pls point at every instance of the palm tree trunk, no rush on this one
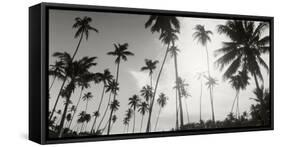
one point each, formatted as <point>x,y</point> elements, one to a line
<point>141,122</point>
<point>87,101</point>
<point>200,120</point>
<point>256,81</point>
<point>57,99</point>
<point>105,112</point>
<point>179,94</point>
<point>114,97</point>
<point>211,97</point>
<point>187,114</point>
<point>154,94</point>
<point>52,83</point>
<point>75,110</point>
<point>63,117</point>
<point>98,108</point>
<point>157,119</point>
<point>78,45</point>
<point>134,121</point>
<point>177,113</point>
<point>232,107</point>
<point>237,107</point>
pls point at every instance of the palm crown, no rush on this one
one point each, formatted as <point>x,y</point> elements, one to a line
<point>202,35</point>
<point>120,52</point>
<point>83,26</point>
<point>149,65</point>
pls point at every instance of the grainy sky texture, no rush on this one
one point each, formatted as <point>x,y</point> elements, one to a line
<point>129,28</point>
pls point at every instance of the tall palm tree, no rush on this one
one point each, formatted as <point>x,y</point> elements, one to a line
<point>105,77</point>
<point>111,87</point>
<point>203,37</point>
<point>174,52</point>
<point>150,66</point>
<point>162,101</point>
<point>128,116</point>
<point>143,108</point>
<point>83,27</point>
<point>167,26</point>
<point>56,71</point>
<point>134,103</point>
<point>238,82</point>
<point>244,51</point>
<point>74,71</point>
<point>114,106</point>
<point>87,97</point>
<point>147,93</point>
<point>183,87</point>
<point>121,52</point>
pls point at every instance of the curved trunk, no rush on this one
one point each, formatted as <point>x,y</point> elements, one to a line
<point>75,110</point>
<point>78,45</point>
<point>177,113</point>
<point>141,122</point>
<point>114,97</point>
<point>105,112</point>
<point>157,119</point>
<point>200,120</point>
<point>92,129</point>
<point>52,83</point>
<point>178,90</point>
<point>154,94</point>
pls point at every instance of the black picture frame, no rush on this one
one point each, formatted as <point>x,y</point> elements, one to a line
<point>38,67</point>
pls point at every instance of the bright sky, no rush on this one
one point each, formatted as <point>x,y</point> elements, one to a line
<point>129,28</point>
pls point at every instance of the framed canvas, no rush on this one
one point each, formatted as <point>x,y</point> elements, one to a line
<point>103,73</point>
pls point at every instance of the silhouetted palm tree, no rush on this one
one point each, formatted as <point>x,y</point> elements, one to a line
<point>183,87</point>
<point>150,66</point>
<point>147,93</point>
<point>143,108</point>
<point>121,52</point>
<point>174,52</point>
<point>114,119</point>
<point>87,97</point>
<point>56,71</point>
<point>167,26</point>
<point>245,48</point>
<point>203,36</point>
<point>128,116</point>
<point>211,82</point>
<point>125,123</point>
<point>114,106</point>
<point>162,101</point>
<point>83,27</point>
<point>74,71</point>
<point>238,82</point>
<point>105,77</point>
<point>134,103</point>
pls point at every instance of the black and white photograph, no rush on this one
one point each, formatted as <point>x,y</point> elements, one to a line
<point>124,73</point>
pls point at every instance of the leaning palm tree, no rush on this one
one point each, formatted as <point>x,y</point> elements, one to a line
<point>203,37</point>
<point>162,101</point>
<point>238,82</point>
<point>134,103</point>
<point>105,77</point>
<point>150,66</point>
<point>87,97</point>
<point>121,52</point>
<point>245,49</point>
<point>83,27</point>
<point>74,72</point>
<point>56,71</point>
<point>167,26</point>
<point>174,52</point>
<point>111,87</point>
<point>143,108</point>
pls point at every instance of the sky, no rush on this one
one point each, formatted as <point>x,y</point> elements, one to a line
<point>129,28</point>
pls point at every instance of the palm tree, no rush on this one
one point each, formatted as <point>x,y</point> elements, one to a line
<point>162,101</point>
<point>200,76</point>
<point>211,82</point>
<point>83,27</point>
<point>121,52</point>
<point>56,71</point>
<point>167,26</point>
<point>114,106</point>
<point>150,66</point>
<point>147,93</point>
<point>143,108</point>
<point>125,123</point>
<point>128,116</point>
<point>111,87</point>
<point>87,97</point>
<point>74,71</point>
<point>238,82</point>
<point>174,52</point>
<point>81,119</point>
<point>105,77</point>
<point>245,48</point>
<point>134,103</point>
<point>114,119</point>
<point>183,88</point>
<point>203,37</point>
